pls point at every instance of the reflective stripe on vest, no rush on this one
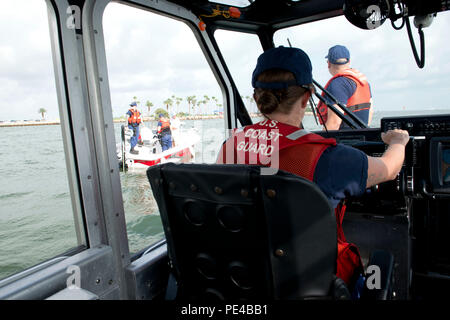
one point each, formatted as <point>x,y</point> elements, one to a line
<point>274,144</point>
<point>360,100</point>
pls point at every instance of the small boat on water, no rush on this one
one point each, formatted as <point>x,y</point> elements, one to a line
<point>150,151</point>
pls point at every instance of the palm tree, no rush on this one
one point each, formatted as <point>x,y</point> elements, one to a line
<point>219,106</point>
<point>136,100</point>
<point>149,105</point>
<point>205,102</point>
<point>200,110</point>
<point>190,100</point>
<point>216,101</point>
<point>168,102</point>
<point>194,103</point>
<point>178,101</point>
<point>42,111</point>
<point>173,98</point>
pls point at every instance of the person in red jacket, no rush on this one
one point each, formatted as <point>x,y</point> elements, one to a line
<point>349,86</point>
<point>283,83</point>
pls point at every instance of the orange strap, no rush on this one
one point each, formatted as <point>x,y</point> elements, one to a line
<point>349,264</point>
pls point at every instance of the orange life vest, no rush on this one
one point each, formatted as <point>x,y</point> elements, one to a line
<point>261,142</point>
<point>360,100</point>
<point>135,117</point>
<point>298,152</point>
<point>165,126</point>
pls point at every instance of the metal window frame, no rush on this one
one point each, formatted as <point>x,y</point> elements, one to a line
<point>72,94</point>
<point>89,143</point>
<point>102,120</point>
<point>50,277</point>
<point>100,98</point>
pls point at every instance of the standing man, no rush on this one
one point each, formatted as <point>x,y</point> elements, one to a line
<point>349,86</point>
<point>134,120</point>
<point>164,130</point>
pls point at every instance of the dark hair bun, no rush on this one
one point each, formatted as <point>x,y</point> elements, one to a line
<point>280,100</point>
<point>267,102</point>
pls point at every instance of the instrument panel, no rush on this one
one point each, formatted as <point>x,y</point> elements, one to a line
<point>427,126</point>
<point>429,156</point>
<point>426,169</point>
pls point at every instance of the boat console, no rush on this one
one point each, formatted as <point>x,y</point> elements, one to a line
<point>411,211</point>
<point>426,169</point>
<point>427,158</point>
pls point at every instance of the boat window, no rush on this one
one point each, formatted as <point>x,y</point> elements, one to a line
<point>384,55</point>
<point>157,63</point>
<point>232,44</point>
<point>36,210</point>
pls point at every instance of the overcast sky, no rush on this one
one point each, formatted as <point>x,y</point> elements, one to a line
<point>153,58</point>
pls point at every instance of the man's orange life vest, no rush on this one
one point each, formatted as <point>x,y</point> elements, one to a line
<point>165,126</point>
<point>135,117</point>
<point>360,100</point>
<point>272,143</point>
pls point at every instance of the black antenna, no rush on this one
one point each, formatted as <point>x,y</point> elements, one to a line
<point>290,45</point>
<point>313,108</point>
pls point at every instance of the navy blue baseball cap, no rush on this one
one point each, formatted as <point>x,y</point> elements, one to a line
<point>290,59</point>
<point>161,115</point>
<point>134,104</point>
<point>338,52</point>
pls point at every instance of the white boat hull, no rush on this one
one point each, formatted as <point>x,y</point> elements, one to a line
<point>150,152</point>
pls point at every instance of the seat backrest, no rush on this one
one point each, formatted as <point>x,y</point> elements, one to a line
<point>234,234</point>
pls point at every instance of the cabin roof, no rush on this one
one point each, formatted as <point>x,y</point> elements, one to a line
<point>271,15</point>
<point>265,14</point>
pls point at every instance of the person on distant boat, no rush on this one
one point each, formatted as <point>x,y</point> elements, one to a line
<point>349,86</point>
<point>283,84</point>
<point>164,131</point>
<point>175,125</point>
<point>134,120</point>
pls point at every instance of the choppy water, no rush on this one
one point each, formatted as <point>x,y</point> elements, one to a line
<point>36,220</point>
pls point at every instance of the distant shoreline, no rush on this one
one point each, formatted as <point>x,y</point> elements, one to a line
<point>56,122</point>
<point>28,123</point>
<point>145,119</point>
